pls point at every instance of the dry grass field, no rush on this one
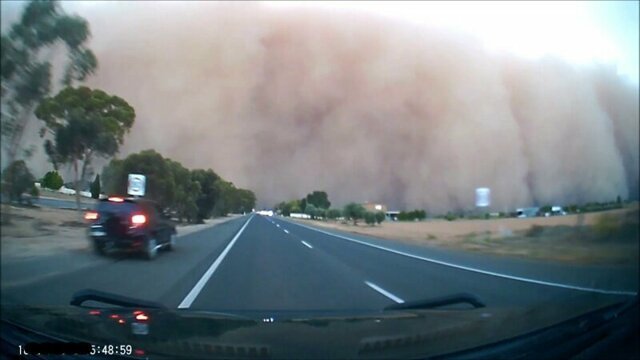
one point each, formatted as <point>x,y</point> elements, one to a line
<point>608,237</point>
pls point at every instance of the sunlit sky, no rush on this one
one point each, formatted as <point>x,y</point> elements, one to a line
<point>579,32</point>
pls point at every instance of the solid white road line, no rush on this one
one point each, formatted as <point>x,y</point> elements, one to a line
<point>188,300</point>
<point>384,292</point>
<point>287,231</point>
<point>505,276</point>
<point>306,244</point>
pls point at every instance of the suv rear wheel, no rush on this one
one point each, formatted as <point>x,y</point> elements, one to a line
<point>151,249</point>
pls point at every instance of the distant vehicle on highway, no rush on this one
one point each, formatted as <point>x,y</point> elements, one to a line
<point>527,212</point>
<point>265,212</point>
<point>557,210</point>
<point>300,216</point>
<point>132,224</point>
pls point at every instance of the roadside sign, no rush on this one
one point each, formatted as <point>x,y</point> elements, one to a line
<point>483,197</point>
<point>136,184</point>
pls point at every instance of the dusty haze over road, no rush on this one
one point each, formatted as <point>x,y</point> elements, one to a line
<point>286,101</point>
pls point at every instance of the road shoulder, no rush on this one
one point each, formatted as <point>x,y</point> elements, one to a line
<point>616,278</point>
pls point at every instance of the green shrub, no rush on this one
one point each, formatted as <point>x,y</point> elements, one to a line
<point>412,215</point>
<point>369,218</point>
<point>16,180</point>
<point>52,180</point>
<point>380,217</point>
<point>333,213</point>
<point>354,212</point>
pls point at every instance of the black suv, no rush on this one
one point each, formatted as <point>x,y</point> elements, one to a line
<point>135,224</point>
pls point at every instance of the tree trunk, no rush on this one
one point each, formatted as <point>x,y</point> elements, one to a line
<point>87,161</point>
<point>12,152</point>
<point>76,182</point>
<point>6,189</point>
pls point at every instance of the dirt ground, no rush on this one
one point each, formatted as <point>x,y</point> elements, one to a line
<point>46,193</point>
<point>45,231</point>
<point>570,238</point>
<point>32,230</point>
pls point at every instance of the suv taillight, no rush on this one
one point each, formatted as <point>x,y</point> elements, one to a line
<point>138,219</point>
<point>140,315</point>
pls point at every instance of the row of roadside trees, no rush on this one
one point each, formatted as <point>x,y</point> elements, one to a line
<point>318,206</point>
<point>314,204</point>
<point>354,212</point>
<point>190,195</point>
<point>415,215</point>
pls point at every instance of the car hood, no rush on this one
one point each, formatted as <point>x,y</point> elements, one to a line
<point>300,334</point>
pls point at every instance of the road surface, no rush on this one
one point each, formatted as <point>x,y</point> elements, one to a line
<point>273,263</point>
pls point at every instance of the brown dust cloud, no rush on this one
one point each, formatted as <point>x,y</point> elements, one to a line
<point>287,101</point>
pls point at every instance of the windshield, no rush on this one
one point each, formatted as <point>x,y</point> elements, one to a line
<point>321,162</point>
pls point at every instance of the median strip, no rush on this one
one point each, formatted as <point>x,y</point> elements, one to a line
<point>384,292</point>
<point>505,276</point>
<point>188,300</point>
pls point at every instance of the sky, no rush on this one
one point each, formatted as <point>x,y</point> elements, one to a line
<point>414,106</point>
<point>579,32</point>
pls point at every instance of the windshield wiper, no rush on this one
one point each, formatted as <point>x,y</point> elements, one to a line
<point>438,302</point>
<point>83,296</point>
<point>113,299</point>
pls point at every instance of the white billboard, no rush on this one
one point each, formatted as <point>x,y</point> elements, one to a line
<point>136,185</point>
<point>483,197</point>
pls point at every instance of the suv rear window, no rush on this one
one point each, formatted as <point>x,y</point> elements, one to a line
<point>117,207</point>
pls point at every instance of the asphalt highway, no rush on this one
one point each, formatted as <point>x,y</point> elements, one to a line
<point>273,263</point>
